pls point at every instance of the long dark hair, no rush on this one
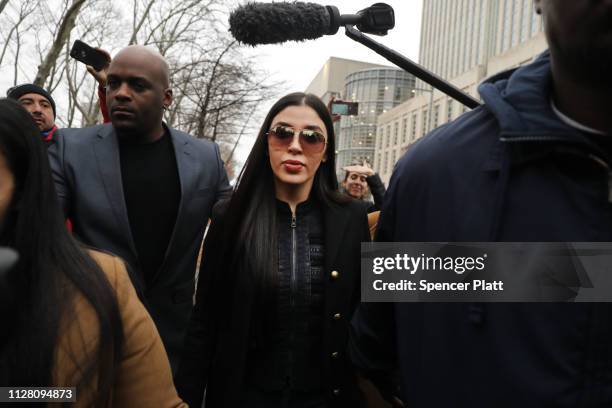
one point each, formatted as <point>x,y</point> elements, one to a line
<point>52,268</point>
<point>247,234</point>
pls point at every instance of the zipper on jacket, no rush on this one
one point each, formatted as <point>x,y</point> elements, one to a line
<point>292,290</point>
<point>293,259</point>
<point>293,256</point>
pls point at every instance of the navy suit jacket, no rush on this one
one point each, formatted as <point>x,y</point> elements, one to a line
<point>87,176</point>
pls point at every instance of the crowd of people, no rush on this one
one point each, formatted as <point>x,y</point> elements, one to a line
<point>108,222</point>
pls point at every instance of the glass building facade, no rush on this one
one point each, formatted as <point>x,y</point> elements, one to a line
<point>377,91</point>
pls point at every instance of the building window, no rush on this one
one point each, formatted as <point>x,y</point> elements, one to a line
<point>397,95</point>
<point>414,127</point>
<point>379,108</point>
<point>388,136</point>
<point>404,129</point>
<point>386,162</point>
<point>395,133</point>
<point>436,114</point>
<point>424,124</point>
<point>449,110</point>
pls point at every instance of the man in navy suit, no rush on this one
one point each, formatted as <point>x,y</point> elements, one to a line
<point>142,190</point>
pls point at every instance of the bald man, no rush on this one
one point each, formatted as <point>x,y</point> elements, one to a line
<point>142,190</point>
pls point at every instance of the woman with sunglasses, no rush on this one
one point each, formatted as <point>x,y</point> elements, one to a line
<point>280,276</point>
<point>70,316</point>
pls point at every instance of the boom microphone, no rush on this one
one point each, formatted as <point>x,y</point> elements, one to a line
<point>273,23</point>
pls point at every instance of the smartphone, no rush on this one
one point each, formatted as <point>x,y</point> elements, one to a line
<point>88,55</point>
<point>344,108</point>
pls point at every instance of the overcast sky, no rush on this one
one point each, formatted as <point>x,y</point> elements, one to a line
<point>297,63</point>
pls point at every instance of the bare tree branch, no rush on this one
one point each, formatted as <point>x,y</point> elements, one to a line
<point>207,96</point>
<point>138,26</point>
<point>16,63</point>
<point>26,9</point>
<point>242,131</point>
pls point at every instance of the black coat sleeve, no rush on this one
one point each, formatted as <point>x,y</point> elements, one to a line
<point>372,344</point>
<point>377,188</point>
<point>194,367</point>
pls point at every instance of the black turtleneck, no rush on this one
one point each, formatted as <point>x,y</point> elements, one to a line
<point>152,192</point>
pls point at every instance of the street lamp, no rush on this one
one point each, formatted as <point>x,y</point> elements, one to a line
<point>430,109</point>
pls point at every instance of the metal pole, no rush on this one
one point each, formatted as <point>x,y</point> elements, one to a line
<point>413,68</point>
<point>431,97</point>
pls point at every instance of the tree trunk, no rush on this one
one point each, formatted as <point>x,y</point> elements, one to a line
<point>3,4</point>
<point>66,26</point>
<point>138,26</point>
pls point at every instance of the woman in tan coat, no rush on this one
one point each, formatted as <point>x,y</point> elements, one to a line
<point>73,319</point>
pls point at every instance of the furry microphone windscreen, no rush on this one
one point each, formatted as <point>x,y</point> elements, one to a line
<point>272,23</point>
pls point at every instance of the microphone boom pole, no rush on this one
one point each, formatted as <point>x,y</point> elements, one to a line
<point>412,67</point>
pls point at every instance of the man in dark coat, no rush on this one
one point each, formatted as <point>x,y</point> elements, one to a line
<point>142,190</point>
<point>532,164</point>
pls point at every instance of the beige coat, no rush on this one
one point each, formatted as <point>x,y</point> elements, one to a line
<point>143,378</point>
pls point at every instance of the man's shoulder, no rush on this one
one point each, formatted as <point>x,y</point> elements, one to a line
<point>459,145</point>
<point>199,144</point>
<point>76,135</point>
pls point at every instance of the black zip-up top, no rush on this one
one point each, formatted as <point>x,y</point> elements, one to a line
<point>290,359</point>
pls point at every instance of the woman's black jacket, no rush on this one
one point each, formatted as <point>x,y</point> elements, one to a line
<point>216,346</point>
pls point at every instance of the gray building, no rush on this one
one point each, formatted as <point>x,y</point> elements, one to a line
<point>329,82</point>
<point>458,35</point>
<point>377,90</point>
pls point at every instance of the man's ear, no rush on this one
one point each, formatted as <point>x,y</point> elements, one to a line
<point>167,98</point>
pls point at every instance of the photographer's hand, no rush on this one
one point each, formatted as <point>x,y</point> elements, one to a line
<point>100,76</point>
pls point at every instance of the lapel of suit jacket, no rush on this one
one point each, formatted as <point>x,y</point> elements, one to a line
<point>106,150</point>
<point>336,221</point>
<point>187,171</point>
